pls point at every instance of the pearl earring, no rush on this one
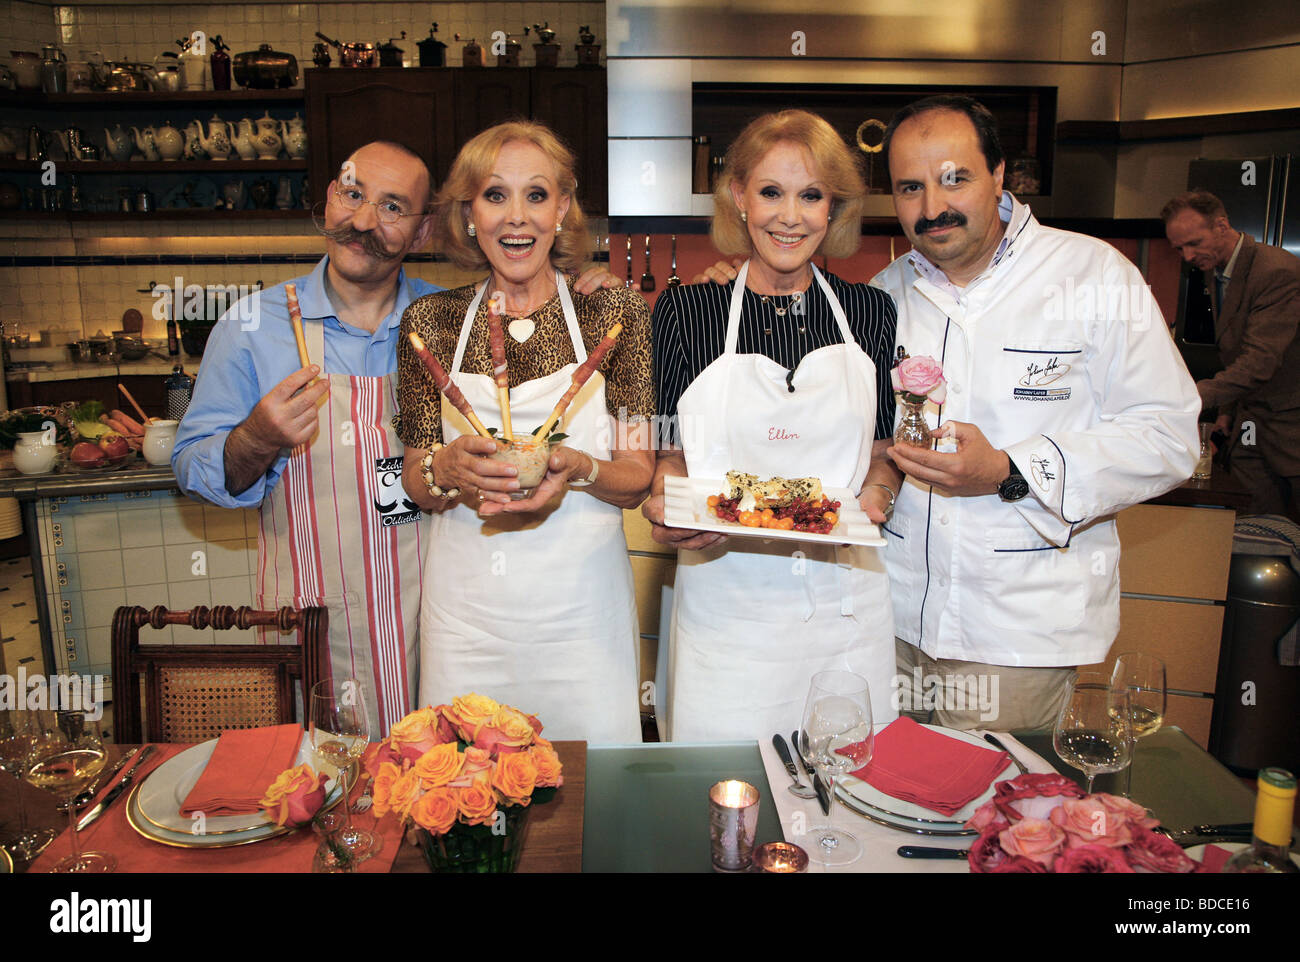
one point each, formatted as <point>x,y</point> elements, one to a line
<point>744,218</point>
<point>469,229</point>
<point>557,228</point>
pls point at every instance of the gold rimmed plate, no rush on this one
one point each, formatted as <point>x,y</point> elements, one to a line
<point>159,797</point>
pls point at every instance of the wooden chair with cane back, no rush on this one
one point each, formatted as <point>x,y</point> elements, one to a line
<point>192,693</point>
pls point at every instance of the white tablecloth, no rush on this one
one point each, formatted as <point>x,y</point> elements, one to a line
<point>879,844</point>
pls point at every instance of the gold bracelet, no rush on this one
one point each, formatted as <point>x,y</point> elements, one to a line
<point>426,472</point>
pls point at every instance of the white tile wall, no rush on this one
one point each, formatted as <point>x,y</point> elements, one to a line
<point>142,31</point>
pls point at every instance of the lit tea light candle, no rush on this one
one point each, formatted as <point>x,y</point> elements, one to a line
<point>733,821</point>
<point>780,858</point>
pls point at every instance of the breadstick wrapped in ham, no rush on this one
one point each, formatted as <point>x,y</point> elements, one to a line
<point>580,377</point>
<point>442,381</point>
<point>497,336</point>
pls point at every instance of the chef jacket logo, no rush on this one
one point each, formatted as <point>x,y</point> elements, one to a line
<point>391,502</point>
<point>1034,384</point>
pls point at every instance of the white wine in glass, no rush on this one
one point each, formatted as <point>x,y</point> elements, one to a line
<point>340,732</point>
<point>67,756</point>
<point>1142,676</point>
<point>1088,735</point>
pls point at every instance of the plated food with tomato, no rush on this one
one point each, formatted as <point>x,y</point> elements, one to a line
<point>781,504</point>
<point>793,509</point>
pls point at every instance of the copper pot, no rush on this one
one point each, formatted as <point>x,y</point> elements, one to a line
<point>265,69</point>
<point>352,54</point>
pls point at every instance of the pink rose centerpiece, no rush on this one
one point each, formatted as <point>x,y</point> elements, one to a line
<point>916,380</point>
<point>464,775</point>
<point>1046,823</point>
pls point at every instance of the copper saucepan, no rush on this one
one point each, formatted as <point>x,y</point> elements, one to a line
<point>352,54</point>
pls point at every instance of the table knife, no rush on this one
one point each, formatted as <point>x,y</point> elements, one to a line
<point>925,851</point>
<point>115,791</point>
<point>823,793</point>
<point>997,744</point>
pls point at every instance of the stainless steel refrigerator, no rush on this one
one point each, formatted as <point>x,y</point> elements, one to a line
<point>1262,202</point>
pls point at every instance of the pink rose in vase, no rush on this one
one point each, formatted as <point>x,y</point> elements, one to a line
<point>918,378</point>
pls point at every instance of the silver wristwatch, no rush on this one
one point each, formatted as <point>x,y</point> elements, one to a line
<point>589,479</point>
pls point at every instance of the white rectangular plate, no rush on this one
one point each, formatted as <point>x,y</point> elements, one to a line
<point>686,505</point>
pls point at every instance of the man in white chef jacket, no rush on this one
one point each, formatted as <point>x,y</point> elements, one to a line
<point>1067,401</point>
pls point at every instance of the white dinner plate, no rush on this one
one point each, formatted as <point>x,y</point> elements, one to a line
<point>686,505</point>
<point>162,793</point>
<point>1198,851</point>
<point>897,810</point>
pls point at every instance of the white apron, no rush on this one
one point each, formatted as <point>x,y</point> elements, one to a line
<point>338,531</point>
<point>536,610</point>
<point>754,620</point>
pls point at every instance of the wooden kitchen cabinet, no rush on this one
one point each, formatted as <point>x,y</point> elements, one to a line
<point>435,110</point>
<point>572,103</point>
<point>488,97</point>
<point>349,108</point>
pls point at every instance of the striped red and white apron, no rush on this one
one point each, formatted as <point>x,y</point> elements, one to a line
<point>338,531</point>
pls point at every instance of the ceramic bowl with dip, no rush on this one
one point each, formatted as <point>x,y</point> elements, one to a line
<point>530,457</point>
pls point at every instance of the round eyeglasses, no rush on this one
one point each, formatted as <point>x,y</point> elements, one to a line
<point>388,211</point>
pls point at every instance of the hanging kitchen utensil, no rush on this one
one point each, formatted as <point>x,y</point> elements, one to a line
<point>629,260</point>
<point>673,279</point>
<point>647,279</point>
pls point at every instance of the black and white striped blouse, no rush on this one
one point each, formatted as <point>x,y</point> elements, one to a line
<point>690,327</point>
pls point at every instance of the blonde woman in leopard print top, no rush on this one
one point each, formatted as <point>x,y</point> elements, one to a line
<point>529,601</point>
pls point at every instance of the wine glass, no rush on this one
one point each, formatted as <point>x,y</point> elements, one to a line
<point>67,755</point>
<point>340,732</point>
<point>1143,677</point>
<point>837,715</point>
<point>1092,728</point>
<point>16,741</point>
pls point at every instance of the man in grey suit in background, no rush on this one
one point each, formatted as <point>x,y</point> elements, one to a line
<point>1255,298</point>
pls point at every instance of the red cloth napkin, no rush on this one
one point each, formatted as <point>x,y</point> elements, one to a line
<point>241,769</point>
<point>921,766</point>
<point>1213,858</point>
<point>292,852</point>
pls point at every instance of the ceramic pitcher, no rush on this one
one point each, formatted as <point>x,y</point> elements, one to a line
<point>159,438</point>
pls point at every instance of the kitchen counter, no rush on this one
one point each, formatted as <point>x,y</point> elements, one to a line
<point>67,371</point>
<point>135,475</point>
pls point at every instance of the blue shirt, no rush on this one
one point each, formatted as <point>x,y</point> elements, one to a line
<point>251,350</point>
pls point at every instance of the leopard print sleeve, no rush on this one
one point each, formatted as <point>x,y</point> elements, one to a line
<point>628,369</point>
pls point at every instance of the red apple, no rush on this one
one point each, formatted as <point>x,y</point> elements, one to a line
<point>86,454</point>
<point>114,446</point>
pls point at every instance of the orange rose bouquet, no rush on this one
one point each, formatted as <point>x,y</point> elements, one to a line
<point>464,775</point>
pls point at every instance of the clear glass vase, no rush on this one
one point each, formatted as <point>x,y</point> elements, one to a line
<point>912,428</point>
<point>470,849</point>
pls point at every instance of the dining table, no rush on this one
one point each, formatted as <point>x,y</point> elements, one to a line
<point>644,808</point>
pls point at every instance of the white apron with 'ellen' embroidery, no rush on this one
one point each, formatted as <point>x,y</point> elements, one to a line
<point>754,620</point>
<point>536,611</point>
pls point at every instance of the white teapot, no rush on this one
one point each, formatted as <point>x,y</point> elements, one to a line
<point>194,141</point>
<point>294,133</point>
<point>118,143</point>
<point>267,141</point>
<point>242,137</point>
<point>145,144</point>
<point>169,142</point>
<point>217,142</point>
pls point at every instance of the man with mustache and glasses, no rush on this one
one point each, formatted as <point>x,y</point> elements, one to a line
<point>1066,402</point>
<point>313,447</point>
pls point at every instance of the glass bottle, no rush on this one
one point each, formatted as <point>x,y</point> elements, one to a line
<point>1271,838</point>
